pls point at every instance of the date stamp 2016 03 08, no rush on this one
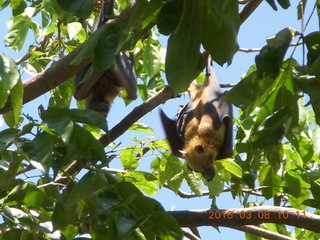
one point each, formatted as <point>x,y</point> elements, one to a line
<point>229,214</point>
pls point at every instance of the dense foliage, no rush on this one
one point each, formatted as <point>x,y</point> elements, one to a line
<point>277,148</point>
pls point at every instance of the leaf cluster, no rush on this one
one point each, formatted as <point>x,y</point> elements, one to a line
<point>277,127</point>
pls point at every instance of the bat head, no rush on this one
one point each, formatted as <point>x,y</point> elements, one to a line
<point>202,147</point>
<point>200,158</point>
<point>98,105</point>
<point>201,162</point>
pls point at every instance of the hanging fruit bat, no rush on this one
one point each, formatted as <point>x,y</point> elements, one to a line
<point>101,87</point>
<point>202,132</point>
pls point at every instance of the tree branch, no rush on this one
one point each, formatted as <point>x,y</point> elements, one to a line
<point>190,235</point>
<point>248,9</point>
<point>263,233</point>
<point>248,216</point>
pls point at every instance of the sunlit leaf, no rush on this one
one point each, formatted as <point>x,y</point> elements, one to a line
<point>18,29</point>
<point>232,167</point>
<point>9,73</point>
<point>141,127</point>
<point>128,158</point>
<point>73,29</point>
<point>151,59</point>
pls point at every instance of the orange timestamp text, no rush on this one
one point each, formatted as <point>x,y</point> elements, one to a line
<point>230,214</point>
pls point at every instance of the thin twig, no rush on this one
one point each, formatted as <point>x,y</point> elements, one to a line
<point>262,232</point>
<point>190,235</point>
<point>37,48</point>
<point>249,50</point>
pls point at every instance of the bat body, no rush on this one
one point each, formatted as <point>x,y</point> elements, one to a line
<point>202,132</point>
<point>101,87</point>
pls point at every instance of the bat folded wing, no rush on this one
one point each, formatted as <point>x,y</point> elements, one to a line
<point>175,141</point>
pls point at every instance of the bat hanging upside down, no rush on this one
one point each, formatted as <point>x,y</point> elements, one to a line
<point>202,132</point>
<point>101,87</point>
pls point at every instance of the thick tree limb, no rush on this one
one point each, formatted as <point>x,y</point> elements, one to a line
<point>248,216</point>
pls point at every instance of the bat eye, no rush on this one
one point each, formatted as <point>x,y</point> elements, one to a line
<point>199,149</point>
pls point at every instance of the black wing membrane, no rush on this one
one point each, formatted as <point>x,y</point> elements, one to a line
<point>175,140</point>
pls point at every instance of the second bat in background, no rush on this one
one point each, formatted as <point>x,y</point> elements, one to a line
<point>202,132</point>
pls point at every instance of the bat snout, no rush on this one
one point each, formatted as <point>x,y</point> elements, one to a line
<point>208,173</point>
<point>199,149</point>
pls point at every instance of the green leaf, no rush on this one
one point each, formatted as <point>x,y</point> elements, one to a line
<point>316,140</point>
<point>3,94</point>
<point>84,144</point>
<point>88,48</point>
<point>216,186</point>
<point>62,216</point>
<point>292,184</point>
<point>125,223</point>
<point>141,127</point>
<point>16,96</point>
<point>272,4</point>
<point>166,226</point>
<point>220,29</point>
<point>36,197</point>
<point>18,193</point>
<point>40,151</point>
<point>284,3</point>
<point>251,85</point>
<point>272,181</point>
<point>232,167</point>
<point>9,73</point>
<point>18,234</point>
<point>58,124</point>
<point>170,170</point>
<point>312,41</point>
<point>7,136</point>
<point>128,158</point>
<point>82,8</point>
<point>270,58</point>
<point>86,116</point>
<point>193,181</point>
<point>89,184</point>
<point>73,29</point>
<point>183,54</point>
<point>151,59</point>
<point>169,16</point>
<point>105,51</point>
<point>18,29</point>
<point>310,85</point>
<point>143,181</point>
